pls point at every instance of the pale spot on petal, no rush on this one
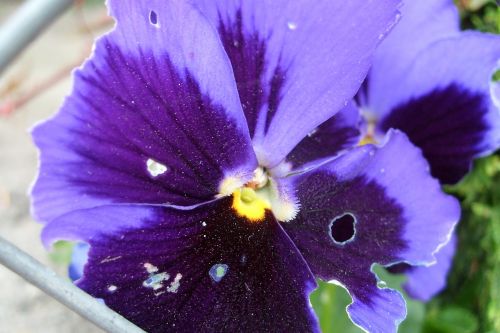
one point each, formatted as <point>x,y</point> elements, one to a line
<point>155,168</point>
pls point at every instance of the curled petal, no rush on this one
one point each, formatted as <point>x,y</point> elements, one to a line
<point>423,283</point>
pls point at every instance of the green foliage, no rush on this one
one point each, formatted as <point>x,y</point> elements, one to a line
<point>330,302</point>
<point>450,320</point>
<point>61,253</point>
<point>486,18</point>
<point>474,284</point>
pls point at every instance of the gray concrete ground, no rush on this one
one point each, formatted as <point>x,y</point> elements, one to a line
<point>23,308</point>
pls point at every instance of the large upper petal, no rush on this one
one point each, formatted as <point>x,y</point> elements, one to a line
<point>154,117</point>
<point>200,270</point>
<point>445,103</point>
<point>371,205</point>
<point>422,23</point>
<point>297,62</point>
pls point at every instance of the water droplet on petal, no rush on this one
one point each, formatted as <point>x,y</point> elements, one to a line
<point>292,25</point>
<point>218,271</point>
<point>112,288</point>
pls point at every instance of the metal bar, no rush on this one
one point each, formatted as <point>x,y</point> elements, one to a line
<point>63,290</point>
<point>25,24</point>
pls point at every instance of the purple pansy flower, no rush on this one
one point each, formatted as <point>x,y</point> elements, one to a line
<point>433,82</point>
<point>182,157</point>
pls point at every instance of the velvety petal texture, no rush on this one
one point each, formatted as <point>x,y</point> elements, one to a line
<point>297,63</point>
<point>371,205</point>
<point>197,270</point>
<point>154,117</point>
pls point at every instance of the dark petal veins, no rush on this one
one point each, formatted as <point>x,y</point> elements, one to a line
<point>247,54</point>
<point>333,136</point>
<point>143,124</point>
<point>448,124</point>
<point>203,270</point>
<point>399,214</point>
<point>296,62</point>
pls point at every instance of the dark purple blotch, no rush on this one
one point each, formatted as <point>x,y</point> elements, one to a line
<point>329,139</point>
<point>247,52</point>
<point>448,124</point>
<point>262,286</point>
<point>135,111</point>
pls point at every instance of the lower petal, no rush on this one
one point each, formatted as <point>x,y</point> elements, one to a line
<point>371,205</point>
<point>200,270</point>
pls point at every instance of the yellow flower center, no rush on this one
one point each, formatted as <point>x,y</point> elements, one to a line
<point>249,204</point>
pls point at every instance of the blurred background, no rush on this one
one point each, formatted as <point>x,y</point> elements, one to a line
<point>33,87</point>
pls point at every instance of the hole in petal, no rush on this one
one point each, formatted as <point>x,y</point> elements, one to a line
<point>342,229</point>
<point>496,76</point>
<point>153,18</point>
<point>218,271</point>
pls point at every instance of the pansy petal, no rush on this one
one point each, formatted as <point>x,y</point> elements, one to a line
<point>79,258</point>
<point>371,205</point>
<point>297,63</point>
<point>422,23</point>
<point>423,283</point>
<point>154,117</point>
<point>329,139</point>
<point>200,270</point>
<point>447,110</point>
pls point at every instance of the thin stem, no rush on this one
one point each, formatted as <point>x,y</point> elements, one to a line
<point>63,290</point>
<point>25,24</point>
